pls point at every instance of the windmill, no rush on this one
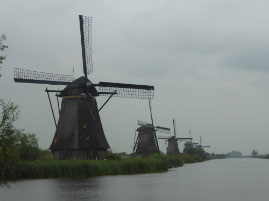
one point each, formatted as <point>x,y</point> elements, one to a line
<point>200,146</point>
<point>146,142</point>
<point>173,142</point>
<point>189,144</point>
<point>79,132</point>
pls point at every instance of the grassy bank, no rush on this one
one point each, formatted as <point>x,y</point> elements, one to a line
<point>84,168</point>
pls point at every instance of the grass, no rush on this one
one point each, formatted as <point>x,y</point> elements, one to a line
<point>48,168</point>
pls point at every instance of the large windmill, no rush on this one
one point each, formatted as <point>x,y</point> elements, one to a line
<point>146,142</point>
<point>173,142</point>
<point>79,132</point>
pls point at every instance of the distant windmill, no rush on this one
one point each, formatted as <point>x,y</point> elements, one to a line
<point>200,146</point>
<point>173,142</point>
<point>79,132</point>
<point>189,144</point>
<point>146,143</point>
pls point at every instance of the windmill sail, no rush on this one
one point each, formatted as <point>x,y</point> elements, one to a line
<point>163,130</point>
<point>28,76</point>
<point>159,129</point>
<point>174,124</point>
<point>126,90</point>
<point>86,43</point>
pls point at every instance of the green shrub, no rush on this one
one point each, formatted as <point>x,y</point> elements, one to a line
<point>195,151</point>
<point>27,146</point>
<point>9,113</point>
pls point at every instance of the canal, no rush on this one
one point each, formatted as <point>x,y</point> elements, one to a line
<point>215,180</point>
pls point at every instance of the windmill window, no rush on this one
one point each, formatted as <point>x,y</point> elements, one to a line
<point>88,138</point>
<point>85,126</point>
<point>55,140</point>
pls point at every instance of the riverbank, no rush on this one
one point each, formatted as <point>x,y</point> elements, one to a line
<point>86,168</point>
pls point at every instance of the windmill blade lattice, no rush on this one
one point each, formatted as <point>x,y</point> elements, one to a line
<point>126,90</point>
<point>28,76</point>
<point>163,130</point>
<point>86,43</point>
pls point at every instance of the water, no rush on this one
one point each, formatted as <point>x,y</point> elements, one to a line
<point>216,180</point>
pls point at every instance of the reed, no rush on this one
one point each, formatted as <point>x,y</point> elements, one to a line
<point>84,168</point>
<point>87,168</point>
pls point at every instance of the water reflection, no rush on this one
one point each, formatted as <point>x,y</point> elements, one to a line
<point>54,189</point>
<point>78,189</point>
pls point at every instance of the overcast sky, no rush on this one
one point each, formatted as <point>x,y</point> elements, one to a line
<point>206,58</point>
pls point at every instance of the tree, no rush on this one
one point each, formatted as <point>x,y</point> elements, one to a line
<point>195,151</point>
<point>15,145</point>
<point>8,154</point>
<point>27,146</point>
<point>2,48</point>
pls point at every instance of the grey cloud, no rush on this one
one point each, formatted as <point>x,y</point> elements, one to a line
<point>207,60</point>
<point>248,58</point>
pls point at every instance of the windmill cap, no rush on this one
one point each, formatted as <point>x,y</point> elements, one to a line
<point>78,87</point>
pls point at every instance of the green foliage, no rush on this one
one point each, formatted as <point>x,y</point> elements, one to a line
<point>2,47</point>
<point>174,160</point>
<point>14,144</point>
<point>196,151</point>
<point>87,168</point>
<point>8,154</point>
<point>45,154</point>
<point>27,146</point>
<point>49,168</point>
